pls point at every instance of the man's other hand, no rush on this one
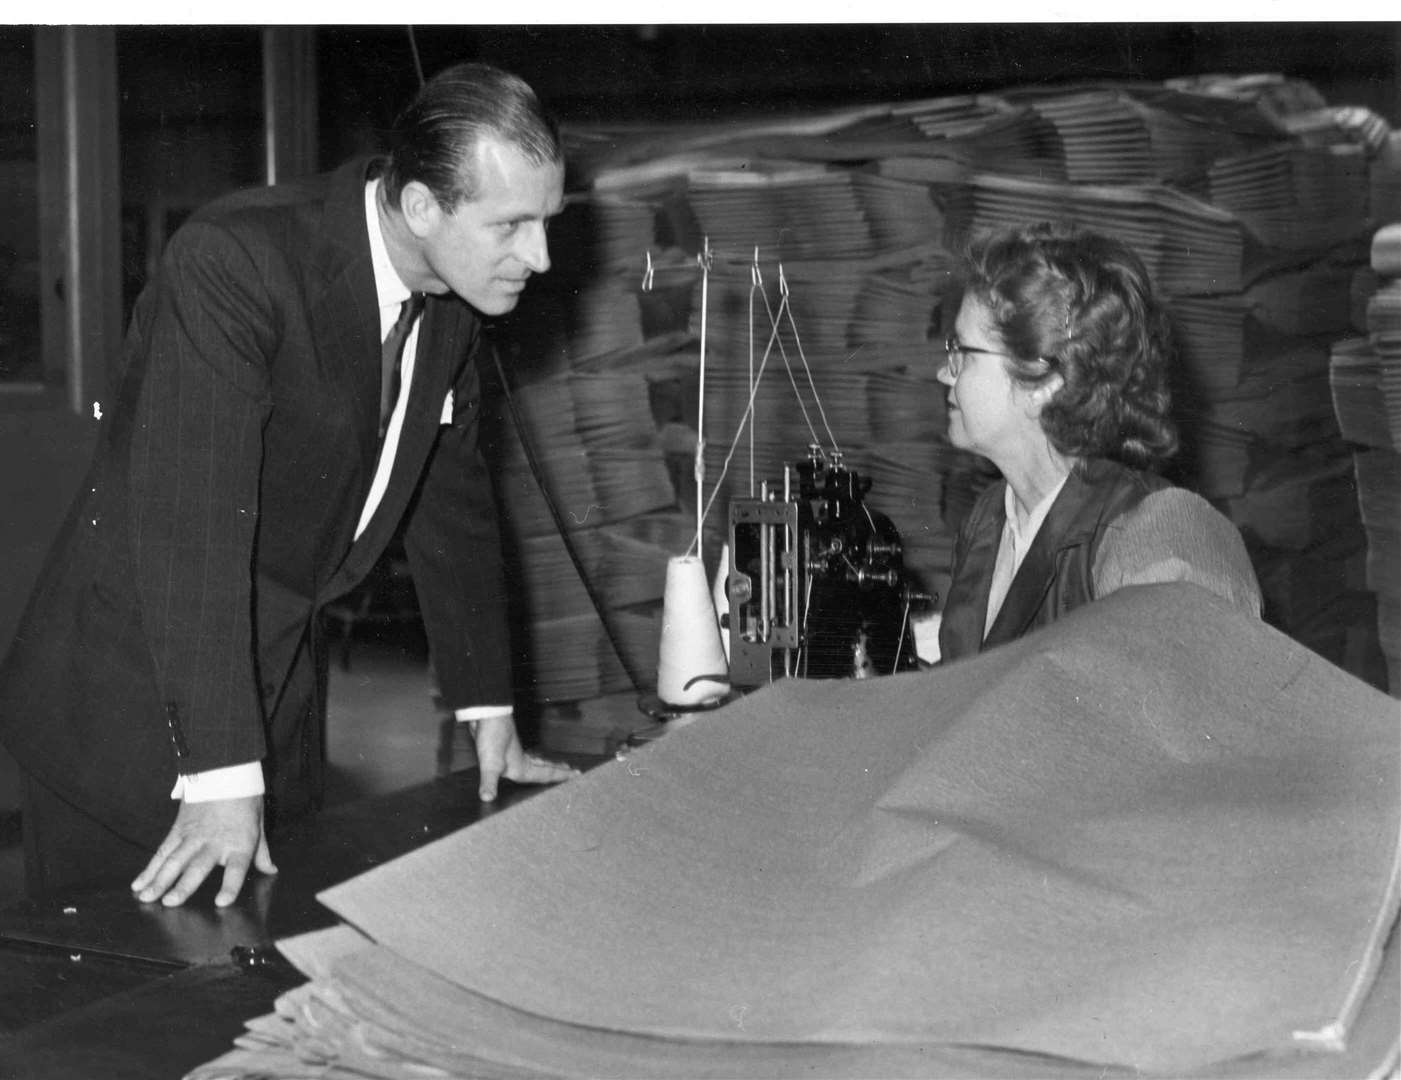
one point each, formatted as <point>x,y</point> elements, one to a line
<point>499,754</point>
<point>223,832</point>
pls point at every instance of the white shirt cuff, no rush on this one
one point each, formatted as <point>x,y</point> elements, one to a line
<point>229,782</point>
<point>482,712</point>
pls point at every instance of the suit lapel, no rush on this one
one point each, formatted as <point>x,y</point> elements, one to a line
<point>345,316</point>
<point>1059,532</point>
<point>1027,591</point>
<point>961,632</point>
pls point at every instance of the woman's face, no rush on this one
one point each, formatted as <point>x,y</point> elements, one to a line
<point>989,413</point>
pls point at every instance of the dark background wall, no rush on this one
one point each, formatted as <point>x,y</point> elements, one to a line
<point>684,72</point>
<point>190,108</point>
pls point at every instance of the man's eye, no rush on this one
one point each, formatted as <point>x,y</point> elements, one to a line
<point>506,228</point>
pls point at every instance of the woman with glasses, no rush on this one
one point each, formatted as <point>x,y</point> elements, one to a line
<point>1056,373</point>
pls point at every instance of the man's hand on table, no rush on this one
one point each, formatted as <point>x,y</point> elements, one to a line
<point>222,832</point>
<point>499,753</point>
<point>228,833</point>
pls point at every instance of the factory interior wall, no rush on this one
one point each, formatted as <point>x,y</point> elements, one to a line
<point>190,127</point>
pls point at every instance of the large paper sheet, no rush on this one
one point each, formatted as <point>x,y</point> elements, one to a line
<point>1156,835</point>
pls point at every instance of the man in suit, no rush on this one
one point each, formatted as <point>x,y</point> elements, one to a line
<point>260,453</point>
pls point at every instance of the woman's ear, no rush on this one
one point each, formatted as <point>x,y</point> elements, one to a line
<point>1039,396</point>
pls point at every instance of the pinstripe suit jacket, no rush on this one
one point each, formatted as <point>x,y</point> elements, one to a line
<point>167,632</point>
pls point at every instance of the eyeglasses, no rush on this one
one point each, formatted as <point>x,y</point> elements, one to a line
<point>955,352</point>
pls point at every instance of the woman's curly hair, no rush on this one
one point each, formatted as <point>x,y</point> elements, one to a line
<point>1080,303</point>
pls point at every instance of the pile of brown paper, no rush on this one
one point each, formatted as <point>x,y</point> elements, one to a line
<point>1155,837</point>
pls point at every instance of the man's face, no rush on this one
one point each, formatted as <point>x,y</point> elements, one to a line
<point>485,250</point>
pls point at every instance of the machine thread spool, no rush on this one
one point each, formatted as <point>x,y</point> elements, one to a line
<point>691,665</point>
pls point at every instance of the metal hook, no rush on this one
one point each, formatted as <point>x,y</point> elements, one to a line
<point>782,283</point>
<point>704,258</point>
<point>756,278</point>
<point>647,274</point>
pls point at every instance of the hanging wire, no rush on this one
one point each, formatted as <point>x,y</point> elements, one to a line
<point>803,638</point>
<point>785,308</point>
<point>417,60</point>
<point>904,626</point>
<point>776,321</point>
<point>704,258</point>
<point>807,369</point>
<point>748,414</point>
<point>756,281</point>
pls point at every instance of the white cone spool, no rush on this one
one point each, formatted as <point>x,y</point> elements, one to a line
<point>691,666</point>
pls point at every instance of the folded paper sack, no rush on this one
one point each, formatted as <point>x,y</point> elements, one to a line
<point>1155,836</point>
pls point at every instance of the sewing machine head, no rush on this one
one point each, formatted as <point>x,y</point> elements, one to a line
<point>816,582</point>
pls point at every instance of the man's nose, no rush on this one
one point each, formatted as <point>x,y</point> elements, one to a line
<point>535,249</point>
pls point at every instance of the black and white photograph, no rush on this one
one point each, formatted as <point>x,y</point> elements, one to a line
<point>761,544</point>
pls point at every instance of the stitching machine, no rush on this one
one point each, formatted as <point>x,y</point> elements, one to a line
<point>816,583</point>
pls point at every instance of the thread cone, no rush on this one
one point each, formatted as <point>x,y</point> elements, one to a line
<point>691,666</point>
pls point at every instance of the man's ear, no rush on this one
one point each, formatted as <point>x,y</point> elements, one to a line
<point>420,208</point>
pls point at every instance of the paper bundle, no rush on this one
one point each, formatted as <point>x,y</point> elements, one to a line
<point>572,658</point>
<point>625,564</point>
<point>1360,385</point>
<point>972,132</point>
<point>1280,325</point>
<point>1249,198</point>
<point>1156,837</point>
<point>1366,389</point>
<point>1295,197</point>
<point>805,211</point>
<point>1129,135</point>
<point>1188,245</point>
<point>841,306</point>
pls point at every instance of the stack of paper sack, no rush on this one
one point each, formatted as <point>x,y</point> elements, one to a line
<point>1366,382</point>
<point>1156,838</point>
<point>1251,200</point>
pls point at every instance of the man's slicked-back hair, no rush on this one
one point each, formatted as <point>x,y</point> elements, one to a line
<point>434,140</point>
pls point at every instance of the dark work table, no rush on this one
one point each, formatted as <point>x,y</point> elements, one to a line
<point>94,983</point>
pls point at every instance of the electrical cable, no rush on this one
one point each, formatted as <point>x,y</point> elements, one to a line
<point>417,61</point>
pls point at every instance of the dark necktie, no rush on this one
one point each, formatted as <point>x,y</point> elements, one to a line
<point>392,354</point>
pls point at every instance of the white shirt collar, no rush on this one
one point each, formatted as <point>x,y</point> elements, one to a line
<point>389,290</point>
<point>1022,536</point>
